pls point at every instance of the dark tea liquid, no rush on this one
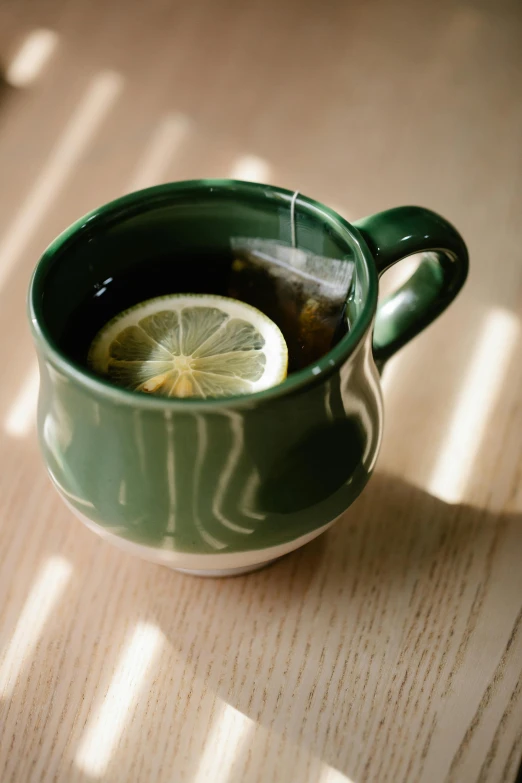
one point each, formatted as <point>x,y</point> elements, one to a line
<point>309,326</point>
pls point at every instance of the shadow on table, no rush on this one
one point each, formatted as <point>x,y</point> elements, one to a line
<point>312,650</point>
<point>312,629</point>
<point>8,94</point>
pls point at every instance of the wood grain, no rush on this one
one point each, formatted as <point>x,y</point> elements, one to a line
<point>391,648</point>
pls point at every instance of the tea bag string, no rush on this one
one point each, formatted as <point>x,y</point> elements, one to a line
<point>292,217</point>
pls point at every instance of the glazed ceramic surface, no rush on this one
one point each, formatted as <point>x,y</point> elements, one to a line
<point>220,485</point>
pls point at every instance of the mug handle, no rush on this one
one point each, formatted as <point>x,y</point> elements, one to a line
<point>395,234</point>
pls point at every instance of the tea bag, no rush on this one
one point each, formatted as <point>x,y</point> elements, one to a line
<point>304,293</point>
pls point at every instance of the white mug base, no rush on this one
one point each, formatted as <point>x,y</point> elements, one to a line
<point>223,564</point>
<point>219,572</point>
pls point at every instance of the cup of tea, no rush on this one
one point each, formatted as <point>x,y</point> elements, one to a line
<point>224,484</point>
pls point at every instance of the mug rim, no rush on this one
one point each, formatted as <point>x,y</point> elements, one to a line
<point>121,208</point>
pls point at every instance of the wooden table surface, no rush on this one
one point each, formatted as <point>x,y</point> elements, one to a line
<point>390,649</point>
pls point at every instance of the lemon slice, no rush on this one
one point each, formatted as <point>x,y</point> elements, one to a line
<point>187,345</point>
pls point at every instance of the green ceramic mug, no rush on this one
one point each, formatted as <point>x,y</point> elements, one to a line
<point>226,485</point>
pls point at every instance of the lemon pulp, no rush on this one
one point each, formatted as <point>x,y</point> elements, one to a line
<point>190,345</point>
